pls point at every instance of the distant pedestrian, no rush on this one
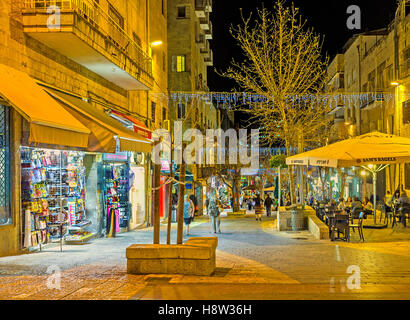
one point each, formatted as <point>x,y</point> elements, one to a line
<point>268,205</point>
<point>258,207</point>
<point>214,213</point>
<point>188,212</point>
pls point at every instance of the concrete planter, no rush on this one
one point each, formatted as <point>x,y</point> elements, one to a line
<point>196,257</point>
<point>292,219</point>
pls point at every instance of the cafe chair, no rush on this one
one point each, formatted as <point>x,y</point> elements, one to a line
<point>359,226</point>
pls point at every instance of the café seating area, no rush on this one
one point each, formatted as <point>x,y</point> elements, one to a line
<point>343,223</point>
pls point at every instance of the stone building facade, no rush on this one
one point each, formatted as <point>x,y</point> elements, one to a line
<point>376,63</point>
<point>100,50</point>
<point>189,56</point>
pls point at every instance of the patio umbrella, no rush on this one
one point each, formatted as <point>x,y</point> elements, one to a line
<point>373,152</point>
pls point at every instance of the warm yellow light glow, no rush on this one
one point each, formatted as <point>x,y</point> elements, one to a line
<point>347,123</point>
<point>156,43</point>
<point>370,166</point>
<point>395,83</point>
<point>363,173</point>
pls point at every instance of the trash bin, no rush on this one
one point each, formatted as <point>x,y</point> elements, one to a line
<point>298,220</point>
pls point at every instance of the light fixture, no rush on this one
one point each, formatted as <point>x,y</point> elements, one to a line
<point>156,43</point>
<point>363,173</point>
<point>347,123</point>
<point>370,166</point>
<point>395,83</point>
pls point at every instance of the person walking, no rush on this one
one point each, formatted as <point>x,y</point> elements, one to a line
<point>214,213</point>
<point>258,208</point>
<point>188,212</point>
<point>268,205</point>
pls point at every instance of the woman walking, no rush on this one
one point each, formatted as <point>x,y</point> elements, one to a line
<point>188,212</point>
<point>258,208</point>
<point>214,213</point>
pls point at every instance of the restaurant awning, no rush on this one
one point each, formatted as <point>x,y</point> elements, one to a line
<point>105,131</point>
<point>138,126</point>
<point>50,123</point>
<point>368,149</point>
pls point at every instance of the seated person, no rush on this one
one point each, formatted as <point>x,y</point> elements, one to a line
<point>342,204</point>
<point>368,207</point>
<point>357,207</point>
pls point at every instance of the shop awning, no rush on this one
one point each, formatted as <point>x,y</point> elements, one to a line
<point>49,122</point>
<point>139,127</point>
<point>105,131</point>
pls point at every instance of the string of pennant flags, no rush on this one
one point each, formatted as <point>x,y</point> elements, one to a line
<point>229,100</point>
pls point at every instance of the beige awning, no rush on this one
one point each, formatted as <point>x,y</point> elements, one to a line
<point>49,122</point>
<point>372,148</point>
<point>106,132</point>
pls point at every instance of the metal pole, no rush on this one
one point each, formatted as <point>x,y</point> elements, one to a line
<point>374,195</point>
<point>279,189</point>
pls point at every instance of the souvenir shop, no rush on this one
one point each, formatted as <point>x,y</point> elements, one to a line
<point>53,197</point>
<point>114,181</point>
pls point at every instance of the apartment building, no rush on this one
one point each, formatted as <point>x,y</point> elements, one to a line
<point>375,64</point>
<point>189,56</point>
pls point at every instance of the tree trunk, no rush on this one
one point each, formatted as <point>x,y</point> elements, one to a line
<point>181,193</point>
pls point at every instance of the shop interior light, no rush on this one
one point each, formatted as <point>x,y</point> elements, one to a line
<point>395,83</point>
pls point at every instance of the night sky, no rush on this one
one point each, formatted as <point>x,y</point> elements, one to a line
<point>327,17</point>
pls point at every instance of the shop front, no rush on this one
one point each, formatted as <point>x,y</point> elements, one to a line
<point>113,178</point>
<point>53,147</point>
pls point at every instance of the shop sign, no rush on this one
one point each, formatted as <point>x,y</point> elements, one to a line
<point>115,157</point>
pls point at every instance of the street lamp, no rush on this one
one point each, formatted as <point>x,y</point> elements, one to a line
<point>156,43</point>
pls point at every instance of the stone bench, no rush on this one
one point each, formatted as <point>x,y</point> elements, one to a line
<point>318,228</point>
<point>195,257</point>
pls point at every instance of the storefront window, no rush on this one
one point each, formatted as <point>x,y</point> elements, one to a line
<point>53,196</point>
<point>5,212</point>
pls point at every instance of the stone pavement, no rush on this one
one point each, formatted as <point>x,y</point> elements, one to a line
<point>254,261</point>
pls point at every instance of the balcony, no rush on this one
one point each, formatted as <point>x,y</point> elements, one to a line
<point>90,37</point>
<point>200,41</point>
<point>209,61</point>
<point>202,7</point>
<point>205,23</point>
<point>206,49</point>
<point>209,32</point>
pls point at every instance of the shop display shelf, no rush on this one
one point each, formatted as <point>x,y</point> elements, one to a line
<point>70,240</point>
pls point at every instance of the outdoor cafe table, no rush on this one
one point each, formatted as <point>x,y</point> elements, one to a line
<point>338,221</point>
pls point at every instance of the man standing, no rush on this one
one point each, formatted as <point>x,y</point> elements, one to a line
<point>268,205</point>
<point>214,212</point>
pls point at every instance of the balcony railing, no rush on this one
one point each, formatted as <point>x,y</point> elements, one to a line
<point>202,7</point>
<point>209,32</point>
<point>205,22</point>
<point>209,60</point>
<point>91,13</point>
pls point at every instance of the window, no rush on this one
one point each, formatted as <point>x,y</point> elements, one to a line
<point>181,111</point>
<point>115,16</point>
<point>406,112</point>
<point>164,114</point>
<point>180,64</point>
<point>137,39</point>
<point>407,176</point>
<point>5,212</point>
<point>153,109</point>
<point>182,12</point>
